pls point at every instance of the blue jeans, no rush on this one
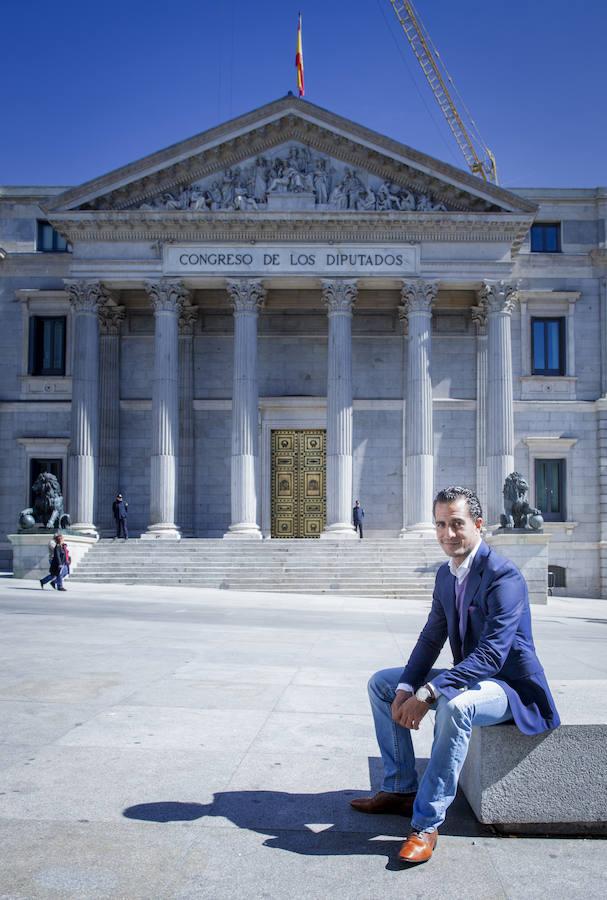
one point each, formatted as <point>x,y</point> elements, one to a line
<point>484,704</point>
<point>58,579</point>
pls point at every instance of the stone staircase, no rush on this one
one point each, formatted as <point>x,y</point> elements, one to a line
<point>388,568</point>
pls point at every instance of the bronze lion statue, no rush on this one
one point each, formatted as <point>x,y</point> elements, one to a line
<point>47,510</point>
<point>517,511</point>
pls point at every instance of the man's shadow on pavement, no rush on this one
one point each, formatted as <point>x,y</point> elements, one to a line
<point>319,824</point>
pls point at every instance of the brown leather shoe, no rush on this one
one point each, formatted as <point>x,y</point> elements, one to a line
<point>418,847</point>
<point>386,803</point>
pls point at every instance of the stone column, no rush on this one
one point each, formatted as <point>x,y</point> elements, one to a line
<point>418,297</point>
<point>479,317</point>
<point>501,299</point>
<point>601,407</point>
<point>339,297</point>
<point>185,481</point>
<point>404,323</point>
<point>111,316</point>
<point>85,297</point>
<point>247,296</point>
<point>167,297</point>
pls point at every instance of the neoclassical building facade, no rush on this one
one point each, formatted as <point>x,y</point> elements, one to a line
<point>248,330</point>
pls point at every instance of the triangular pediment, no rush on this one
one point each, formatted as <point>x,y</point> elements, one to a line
<point>288,156</point>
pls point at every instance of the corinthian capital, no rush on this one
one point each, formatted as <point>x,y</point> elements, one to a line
<point>86,296</point>
<point>418,297</point>
<point>187,319</point>
<point>479,312</point>
<point>167,295</point>
<point>246,294</point>
<point>111,315</point>
<point>500,296</point>
<point>339,296</point>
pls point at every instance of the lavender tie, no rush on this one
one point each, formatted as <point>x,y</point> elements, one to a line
<point>460,590</point>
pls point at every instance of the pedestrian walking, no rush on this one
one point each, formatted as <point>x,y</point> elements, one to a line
<point>59,565</point>
<point>358,514</point>
<point>120,508</point>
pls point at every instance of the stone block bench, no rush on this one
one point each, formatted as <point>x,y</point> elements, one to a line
<point>548,784</point>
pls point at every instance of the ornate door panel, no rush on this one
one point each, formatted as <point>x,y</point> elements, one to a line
<point>298,483</point>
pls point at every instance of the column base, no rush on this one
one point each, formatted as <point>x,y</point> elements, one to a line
<point>85,529</point>
<point>163,531</point>
<point>339,531</point>
<point>243,531</point>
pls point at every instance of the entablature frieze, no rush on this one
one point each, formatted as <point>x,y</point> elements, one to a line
<point>417,228</point>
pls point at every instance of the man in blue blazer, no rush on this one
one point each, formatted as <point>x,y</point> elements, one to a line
<point>480,603</point>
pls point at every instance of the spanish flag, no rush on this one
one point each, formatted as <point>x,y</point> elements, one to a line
<point>299,61</point>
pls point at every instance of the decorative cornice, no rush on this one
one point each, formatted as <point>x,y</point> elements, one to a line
<point>418,297</point>
<point>339,295</point>
<point>167,295</point>
<point>86,296</point>
<point>247,295</point>
<point>501,297</point>
<point>187,319</point>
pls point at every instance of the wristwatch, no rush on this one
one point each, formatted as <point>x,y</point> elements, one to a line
<point>425,694</point>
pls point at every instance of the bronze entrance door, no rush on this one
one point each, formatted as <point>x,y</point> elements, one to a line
<point>298,483</point>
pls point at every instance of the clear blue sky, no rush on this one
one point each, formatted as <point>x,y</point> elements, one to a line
<point>90,86</point>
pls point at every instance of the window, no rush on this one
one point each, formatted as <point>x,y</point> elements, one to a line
<point>548,346</point>
<point>546,237</point>
<point>47,345</point>
<point>550,488</point>
<point>37,466</point>
<point>557,576</point>
<point>49,240</point>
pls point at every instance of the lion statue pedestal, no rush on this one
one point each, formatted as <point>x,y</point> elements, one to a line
<point>37,526</point>
<point>521,538</point>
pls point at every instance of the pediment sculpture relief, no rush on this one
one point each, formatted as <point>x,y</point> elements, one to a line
<point>321,182</point>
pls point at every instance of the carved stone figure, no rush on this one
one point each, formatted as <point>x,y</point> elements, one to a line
<point>353,188</point>
<point>386,200</point>
<point>338,198</point>
<point>424,204</point>
<point>517,511</point>
<point>280,179</point>
<point>406,200</point>
<point>260,181</point>
<point>48,505</point>
<point>366,201</point>
<point>296,171</point>
<point>197,199</point>
<point>214,196</point>
<point>227,188</point>
<point>320,181</point>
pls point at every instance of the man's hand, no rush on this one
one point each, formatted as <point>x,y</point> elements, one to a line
<point>401,697</point>
<point>411,712</point>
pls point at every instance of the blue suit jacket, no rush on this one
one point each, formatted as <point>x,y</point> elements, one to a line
<point>498,643</point>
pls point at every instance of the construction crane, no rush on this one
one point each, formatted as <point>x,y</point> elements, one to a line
<point>478,156</point>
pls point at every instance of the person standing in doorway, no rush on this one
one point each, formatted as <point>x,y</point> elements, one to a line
<point>120,508</point>
<point>358,514</point>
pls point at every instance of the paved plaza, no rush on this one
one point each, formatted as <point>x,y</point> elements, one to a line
<point>186,743</point>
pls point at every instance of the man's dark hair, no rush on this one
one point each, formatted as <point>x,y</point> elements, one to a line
<point>454,492</point>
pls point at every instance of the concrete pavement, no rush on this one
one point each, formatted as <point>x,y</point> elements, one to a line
<point>184,743</point>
